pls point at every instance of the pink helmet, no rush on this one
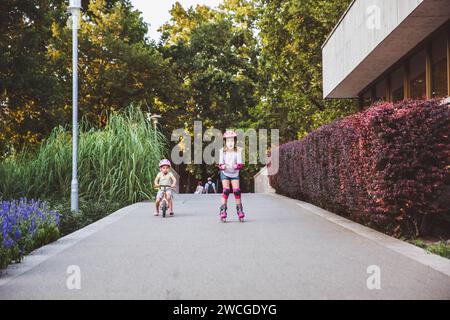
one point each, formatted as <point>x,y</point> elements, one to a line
<point>229,134</point>
<point>164,162</point>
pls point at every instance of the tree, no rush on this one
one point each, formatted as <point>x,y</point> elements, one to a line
<point>117,66</point>
<point>292,33</point>
<point>27,85</point>
<point>215,54</point>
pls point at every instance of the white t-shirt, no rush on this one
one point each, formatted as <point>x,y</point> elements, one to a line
<point>199,190</point>
<point>230,158</point>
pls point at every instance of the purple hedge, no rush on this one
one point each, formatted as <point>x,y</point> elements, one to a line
<point>386,167</point>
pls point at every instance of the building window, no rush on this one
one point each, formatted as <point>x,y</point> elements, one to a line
<point>397,84</point>
<point>417,75</point>
<point>366,99</point>
<point>439,66</point>
<point>380,91</point>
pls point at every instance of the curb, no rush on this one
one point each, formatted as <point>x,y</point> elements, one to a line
<point>411,251</point>
<point>48,251</point>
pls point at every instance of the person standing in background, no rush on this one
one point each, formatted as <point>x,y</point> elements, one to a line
<point>199,189</point>
<point>210,187</point>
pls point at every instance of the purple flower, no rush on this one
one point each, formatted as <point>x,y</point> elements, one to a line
<point>21,219</point>
<point>8,243</point>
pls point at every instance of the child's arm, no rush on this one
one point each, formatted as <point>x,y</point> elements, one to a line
<point>174,181</point>
<point>239,165</point>
<point>156,182</point>
<point>221,160</point>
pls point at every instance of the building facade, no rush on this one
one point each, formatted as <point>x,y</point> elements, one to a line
<point>389,50</point>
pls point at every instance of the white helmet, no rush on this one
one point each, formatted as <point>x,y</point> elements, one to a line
<point>164,162</point>
<point>229,134</point>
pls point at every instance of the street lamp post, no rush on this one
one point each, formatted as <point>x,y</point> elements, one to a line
<point>74,9</point>
<point>154,118</point>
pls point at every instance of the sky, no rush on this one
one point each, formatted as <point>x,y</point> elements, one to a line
<point>156,12</point>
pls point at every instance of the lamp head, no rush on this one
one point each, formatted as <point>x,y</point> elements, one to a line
<point>155,118</point>
<point>74,4</point>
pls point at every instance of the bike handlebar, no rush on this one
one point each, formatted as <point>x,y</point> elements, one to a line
<point>163,186</point>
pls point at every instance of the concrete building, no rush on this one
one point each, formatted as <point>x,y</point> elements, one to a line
<point>261,180</point>
<point>389,50</point>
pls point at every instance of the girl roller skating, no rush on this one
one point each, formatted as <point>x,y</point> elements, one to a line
<point>230,162</point>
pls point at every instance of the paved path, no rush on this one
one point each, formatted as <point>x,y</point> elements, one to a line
<point>283,251</point>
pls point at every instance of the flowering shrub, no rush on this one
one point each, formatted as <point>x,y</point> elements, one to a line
<point>387,167</point>
<point>25,225</point>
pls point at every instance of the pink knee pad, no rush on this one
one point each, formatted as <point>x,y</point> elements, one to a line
<point>226,193</point>
<point>237,193</point>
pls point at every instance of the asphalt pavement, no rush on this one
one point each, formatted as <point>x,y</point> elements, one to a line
<point>281,251</point>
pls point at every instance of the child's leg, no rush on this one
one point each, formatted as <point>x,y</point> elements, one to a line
<point>157,202</point>
<point>226,191</point>
<point>169,199</point>
<point>236,191</point>
<point>237,197</point>
<point>225,194</point>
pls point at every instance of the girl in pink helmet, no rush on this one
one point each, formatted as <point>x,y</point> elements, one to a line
<point>165,178</point>
<point>230,163</point>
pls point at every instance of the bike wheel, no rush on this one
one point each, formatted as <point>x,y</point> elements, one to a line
<point>164,209</point>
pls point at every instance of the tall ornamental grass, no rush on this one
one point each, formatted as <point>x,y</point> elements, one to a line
<point>117,162</point>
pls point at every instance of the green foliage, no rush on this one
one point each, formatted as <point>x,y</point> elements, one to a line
<point>215,53</point>
<point>27,83</point>
<point>117,66</point>
<point>247,64</point>
<point>118,162</point>
<point>441,248</point>
<point>90,210</point>
<point>216,58</point>
<point>292,33</point>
